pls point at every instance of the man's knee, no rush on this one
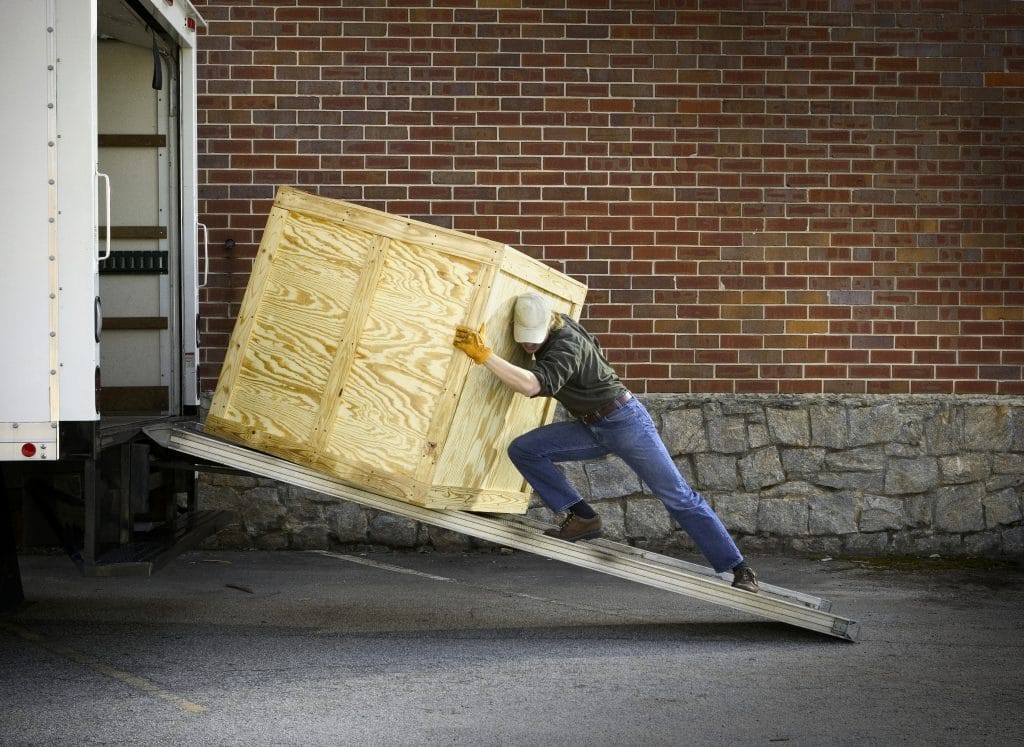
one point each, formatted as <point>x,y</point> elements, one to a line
<point>685,501</point>
<point>516,450</point>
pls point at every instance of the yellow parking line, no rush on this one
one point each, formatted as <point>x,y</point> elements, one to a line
<point>140,683</point>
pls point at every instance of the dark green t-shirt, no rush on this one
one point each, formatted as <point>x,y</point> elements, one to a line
<point>571,368</point>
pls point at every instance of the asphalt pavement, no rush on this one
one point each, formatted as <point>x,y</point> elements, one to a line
<point>386,648</point>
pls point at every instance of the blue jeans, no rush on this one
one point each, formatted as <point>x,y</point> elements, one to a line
<point>629,433</point>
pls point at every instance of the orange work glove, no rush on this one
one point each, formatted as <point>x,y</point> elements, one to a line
<point>472,343</point>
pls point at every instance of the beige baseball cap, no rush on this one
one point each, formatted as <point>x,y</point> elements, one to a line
<point>532,319</point>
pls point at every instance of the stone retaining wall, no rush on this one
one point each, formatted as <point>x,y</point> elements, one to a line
<point>833,475</point>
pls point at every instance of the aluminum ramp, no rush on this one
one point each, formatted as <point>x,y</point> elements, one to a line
<point>604,556</point>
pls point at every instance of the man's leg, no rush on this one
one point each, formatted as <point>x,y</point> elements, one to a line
<point>630,433</point>
<point>535,454</point>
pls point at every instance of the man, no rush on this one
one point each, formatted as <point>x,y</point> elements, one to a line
<point>570,366</point>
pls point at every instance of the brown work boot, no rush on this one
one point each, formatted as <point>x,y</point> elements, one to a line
<point>575,528</point>
<point>744,578</point>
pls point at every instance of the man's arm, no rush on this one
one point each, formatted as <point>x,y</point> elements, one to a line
<point>516,378</point>
<point>472,343</point>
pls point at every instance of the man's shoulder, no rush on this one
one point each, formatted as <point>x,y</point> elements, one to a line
<point>572,328</point>
<point>561,341</point>
<point>580,333</point>
<point>560,338</point>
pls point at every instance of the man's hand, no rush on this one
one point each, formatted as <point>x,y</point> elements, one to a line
<point>472,343</point>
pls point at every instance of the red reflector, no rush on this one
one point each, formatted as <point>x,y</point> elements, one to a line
<point>190,24</point>
<point>28,450</point>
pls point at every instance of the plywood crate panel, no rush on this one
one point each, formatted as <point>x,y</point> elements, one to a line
<point>342,360</point>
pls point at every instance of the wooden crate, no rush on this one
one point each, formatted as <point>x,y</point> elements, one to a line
<point>342,360</point>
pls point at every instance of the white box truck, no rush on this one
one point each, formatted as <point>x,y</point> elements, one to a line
<point>102,262</point>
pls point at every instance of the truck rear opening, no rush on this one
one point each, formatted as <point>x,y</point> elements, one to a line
<point>101,275</point>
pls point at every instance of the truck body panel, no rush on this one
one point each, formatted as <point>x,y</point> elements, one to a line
<point>51,228</point>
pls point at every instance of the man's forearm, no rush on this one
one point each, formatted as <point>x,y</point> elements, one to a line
<point>516,378</point>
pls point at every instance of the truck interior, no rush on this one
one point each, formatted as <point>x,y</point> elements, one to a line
<point>137,83</point>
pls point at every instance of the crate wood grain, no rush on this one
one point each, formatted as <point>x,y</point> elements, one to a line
<point>342,360</point>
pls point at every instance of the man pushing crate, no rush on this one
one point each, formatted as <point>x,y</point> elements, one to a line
<point>570,366</point>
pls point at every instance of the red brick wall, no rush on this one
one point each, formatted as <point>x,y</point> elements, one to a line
<point>805,196</point>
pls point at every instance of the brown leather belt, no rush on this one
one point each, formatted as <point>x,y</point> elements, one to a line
<point>592,417</point>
